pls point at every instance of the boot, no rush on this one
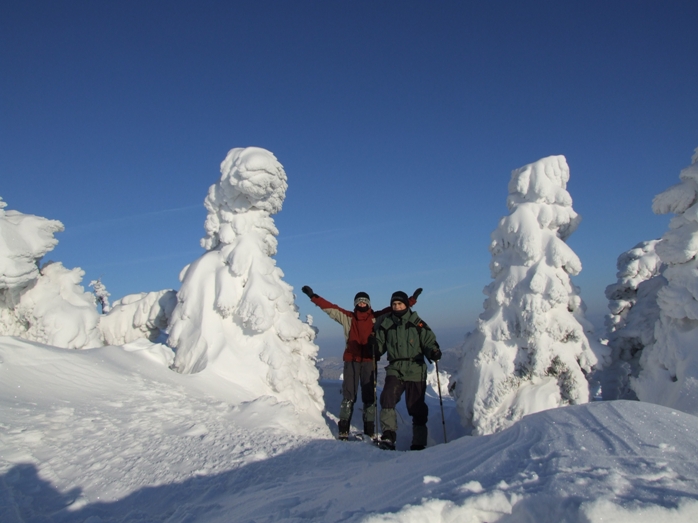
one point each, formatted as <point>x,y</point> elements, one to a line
<point>419,437</point>
<point>369,428</point>
<point>387,441</point>
<point>343,429</point>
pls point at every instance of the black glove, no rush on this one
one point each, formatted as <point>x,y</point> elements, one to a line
<point>373,346</point>
<point>436,355</point>
<point>416,293</point>
<point>308,291</point>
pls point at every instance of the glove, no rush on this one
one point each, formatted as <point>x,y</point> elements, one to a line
<point>373,346</point>
<point>416,293</point>
<point>308,291</point>
<point>436,355</point>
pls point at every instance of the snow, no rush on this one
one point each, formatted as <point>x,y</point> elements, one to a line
<point>532,345</point>
<point>111,434</point>
<point>45,304</point>
<point>634,313</point>
<point>235,316</point>
<point>669,366</point>
<point>144,315</point>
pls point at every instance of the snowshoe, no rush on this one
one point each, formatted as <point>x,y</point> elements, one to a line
<point>387,441</point>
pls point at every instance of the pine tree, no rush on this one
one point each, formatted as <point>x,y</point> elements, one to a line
<point>634,312</point>
<point>669,367</point>
<point>530,350</point>
<point>235,315</point>
<point>101,294</point>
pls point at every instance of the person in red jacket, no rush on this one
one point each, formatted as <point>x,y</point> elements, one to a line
<point>359,367</point>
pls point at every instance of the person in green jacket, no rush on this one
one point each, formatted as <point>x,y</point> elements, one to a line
<point>408,340</point>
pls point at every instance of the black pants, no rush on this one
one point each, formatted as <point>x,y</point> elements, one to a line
<point>414,397</point>
<point>358,373</point>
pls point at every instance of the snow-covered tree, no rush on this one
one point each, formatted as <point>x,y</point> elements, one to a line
<point>101,294</point>
<point>45,304</point>
<point>136,316</point>
<point>634,311</point>
<point>669,367</point>
<point>235,315</point>
<point>530,350</point>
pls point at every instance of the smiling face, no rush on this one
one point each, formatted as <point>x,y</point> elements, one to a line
<point>398,306</point>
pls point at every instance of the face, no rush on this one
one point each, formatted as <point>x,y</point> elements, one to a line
<point>362,303</point>
<point>398,306</point>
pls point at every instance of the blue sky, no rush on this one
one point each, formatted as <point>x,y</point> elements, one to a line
<point>398,124</point>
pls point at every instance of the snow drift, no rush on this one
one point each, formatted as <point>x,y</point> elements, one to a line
<point>530,350</point>
<point>669,367</point>
<point>235,315</point>
<point>111,434</point>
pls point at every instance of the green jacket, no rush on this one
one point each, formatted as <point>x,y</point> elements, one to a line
<point>407,340</point>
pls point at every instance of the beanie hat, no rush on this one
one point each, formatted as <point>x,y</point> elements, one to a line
<point>362,297</point>
<point>400,296</point>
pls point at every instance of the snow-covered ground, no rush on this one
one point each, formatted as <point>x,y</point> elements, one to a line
<point>111,434</point>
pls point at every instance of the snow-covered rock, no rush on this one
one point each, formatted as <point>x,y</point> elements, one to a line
<point>137,316</point>
<point>669,367</point>
<point>634,312</point>
<point>235,315</point>
<point>531,348</point>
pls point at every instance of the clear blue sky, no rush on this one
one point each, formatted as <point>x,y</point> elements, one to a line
<point>398,124</point>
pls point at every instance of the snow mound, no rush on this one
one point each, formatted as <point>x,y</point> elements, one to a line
<point>136,316</point>
<point>235,316</point>
<point>669,367</point>
<point>531,348</point>
<point>112,434</point>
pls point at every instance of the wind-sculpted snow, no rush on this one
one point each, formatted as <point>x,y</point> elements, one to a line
<point>111,434</point>
<point>45,304</point>
<point>530,350</point>
<point>136,316</point>
<point>634,312</point>
<point>669,367</point>
<point>24,240</point>
<point>235,315</point>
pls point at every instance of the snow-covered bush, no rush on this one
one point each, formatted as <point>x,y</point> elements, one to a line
<point>47,305</point>
<point>634,311</point>
<point>669,367</point>
<point>135,316</point>
<point>235,315</point>
<point>530,350</point>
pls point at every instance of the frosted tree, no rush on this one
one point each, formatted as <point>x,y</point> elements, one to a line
<point>634,312</point>
<point>235,315</point>
<point>45,304</point>
<point>669,367</point>
<point>530,350</point>
<point>135,316</point>
<point>101,294</point>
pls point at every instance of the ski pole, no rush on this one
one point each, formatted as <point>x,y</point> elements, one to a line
<point>375,394</point>
<point>441,402</point>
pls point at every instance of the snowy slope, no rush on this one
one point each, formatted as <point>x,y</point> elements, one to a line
<point>111,434</point>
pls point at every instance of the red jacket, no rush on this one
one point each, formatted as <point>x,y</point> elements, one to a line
<point>358,326</point>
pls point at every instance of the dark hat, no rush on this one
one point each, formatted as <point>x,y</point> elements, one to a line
<point>362,297</point>
<point>400,296</point>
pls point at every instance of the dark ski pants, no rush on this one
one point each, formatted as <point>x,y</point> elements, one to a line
<point>414,397</point>
<point>358,373</point>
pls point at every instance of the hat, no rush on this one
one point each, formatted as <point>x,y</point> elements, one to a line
<point>362,297</point>
<point>400,296</point>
